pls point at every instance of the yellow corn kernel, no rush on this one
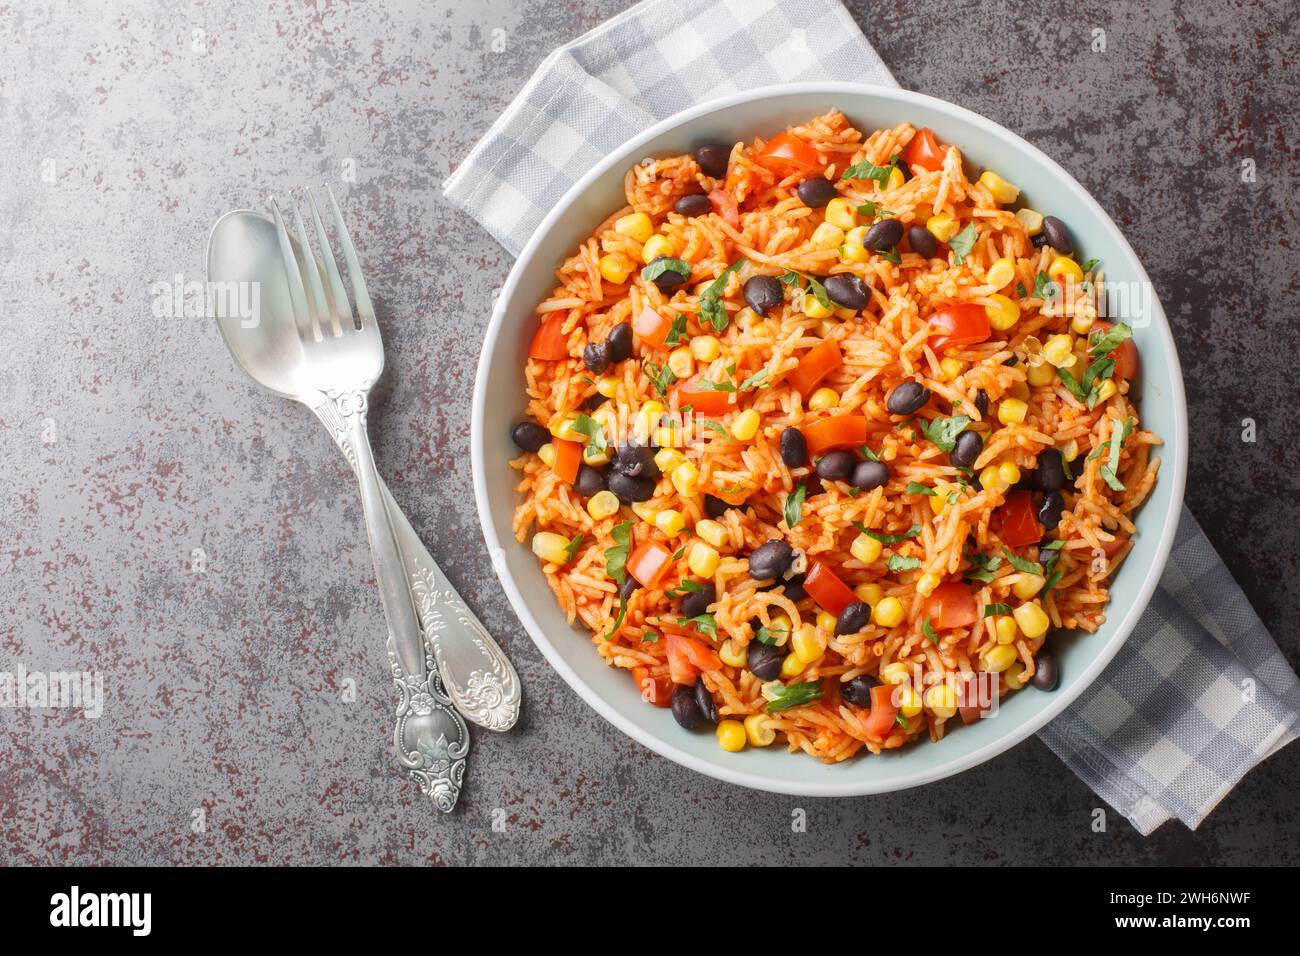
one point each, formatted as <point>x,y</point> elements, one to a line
<point>780,623</point>
<point>950,368</point>
<point>942,700</point>
<point>602,504</point>
<point>1003,312</point>
<point>1031,220</point>
<point>826,622</point>
<point>938,503</point>
<point>1032,620</point>
<point>745,426</point>
<point>1012,411</point>
<point>551,547</point>
<point>1003,191</point>
<point>1004,626</point>
<point>990,480</point>
<point>1027,585</point>
<point>607,386</point>
<point>1019,390</point>
<point>547,454</point>
<point>1107,390</point>
<point>808,643</point>
<point>666,436</point>
<point>761,330</point>
<point>595,457</point>
<point>1082,324</point>
<point>685,477</point>
<point>888,613</point>
<point>656,246</point>
<point>1014,676</point>
<point>648,417</point>
<point>943,226</point>
<point>731,736</point>
<point>827,236</point>
<point>1008,473</point>
<point>562,426</point>
<point>866,549</point>
<point>895,672</point>
<point>682,362</point>
<point>635,225</point>
<point>814,309</point>
<point>840,212</point>
<point>1059,351</point>
<point>999,657</point>
<point>870,593</point>
<point>1063,267</point>
<point>614,268</point>
<point>732,654</point>
<point>1000,273</point>
<point>909,702</point>
<point>711,531</point>
<point>896,178</point>
<point>853,249</point>
<point>1070,450</point>
<point>822,399</point>
<point>668,458</point>
<point>1040,375</point>
<point>844,312</point>
<point>644,511</point>
<point>792,666</point>
<point>926,583</point>
<point>705,348</point>
<point>757,731</point>
<point>703,559</point>
<point>670,522</point>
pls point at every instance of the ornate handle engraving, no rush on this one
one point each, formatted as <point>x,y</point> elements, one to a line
<point>432,740</point>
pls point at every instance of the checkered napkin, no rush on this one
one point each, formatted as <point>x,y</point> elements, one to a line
<point>1199,693</point>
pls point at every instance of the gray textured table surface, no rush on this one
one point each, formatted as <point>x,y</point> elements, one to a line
<point>200,543</point>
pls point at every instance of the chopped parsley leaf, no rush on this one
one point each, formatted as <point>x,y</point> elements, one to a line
<point>962,243</point>
<point>795,695</point>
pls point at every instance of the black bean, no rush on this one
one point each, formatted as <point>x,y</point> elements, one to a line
<point>763,660</point>
<point>966,449</point>
<point>696,603</point>
<point>715,507</point>
<point>1051,470</point>
<point>590,480</point>
<point>704,701</point>
<point>847,290</point>
<point>629,587</point>
<point>530,436</point>
<point>816,192</point>
<point>982,402</point>
<point>836,465</point>
<point>858,691</point>
<point>1028,480</point>
<point>793,588</point>
<point>1048,557</point>
<point>1057,235</point>
<point>1038,241</point>
<point>685,710</point>
<point>923,242</point>
<point>794,448</point>
<point>770,560</point>
<point>596,356</point>
<point>869,474</point>
<point>630,489</point>
<point>636,461</point>
<point>1049,512</point>
<point>907,398</point>
<point>696,204</point>
<point>620,342</point>
<point>1011,362</point>
<point>713,159</point>
<point>853,618</point>
<point>763,293</point>
<point>812,485</point>
<point>1046,674</point>
<point>885,234</point>
<point>669,279</point>
<point>594,401</point>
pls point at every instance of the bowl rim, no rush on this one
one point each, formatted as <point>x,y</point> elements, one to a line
<point>1175,473</point>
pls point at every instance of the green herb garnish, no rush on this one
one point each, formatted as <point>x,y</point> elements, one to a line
<point>649,637</point>
<point>1045,287</point>
<point>1020,289</point>
<point>1021,564</point>
<point>770,635</point>
<point>988,564</point>
<point>795,695</point>
<point>928,631</point>
<point>685,586</point>
<point>660,378</point>
<point>1110,471</point>
<point>943,432</point>
<point>910,533</point>
<point>712,310</point>
<point>962,243</point>
<point>1104,342</point>
<point>916,488</point>
<point>678,331</point>
<point>704,623</point>
<point>1053,580</point>
<point>1090,265</point>
<point>616,557</point>
<point>794,505</point>
<point>890,255</point>
<point>869,454</point>
<point>666,264</point>
<point>874,209</point>
<point>571,549</point>
<point>586,425</point>
<point>898,562</point>
<point>869,170</point>
<point>717,427</point>
<point>992,610</point>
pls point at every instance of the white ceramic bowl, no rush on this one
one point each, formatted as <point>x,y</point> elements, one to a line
<point>499,400</point>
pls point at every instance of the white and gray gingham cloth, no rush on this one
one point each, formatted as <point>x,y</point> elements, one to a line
<point>1199,693</point>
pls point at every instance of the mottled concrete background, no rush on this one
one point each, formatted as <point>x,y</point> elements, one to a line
<point>129,441</point>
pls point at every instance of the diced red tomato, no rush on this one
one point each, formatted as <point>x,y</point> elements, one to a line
<point>703,401</point>
<point>549,343</point>
<point>837,431</point>
<point>1126,356</point>
<point>1018,525</point>
<point>687,657</point>
<point>884,712</point>
<point>568,456</point>
<point>1112,548</point>
<point>969,701</point>
<point>825,587</point>
<point>724,204</point>
<point>654,690</point>
<point>651,327</point>
<point>815,364</point>
<point>786,153</point>
<point>951,605</point>
<point>924,150</point>
<point>963,324</point>
<point>648,562</point>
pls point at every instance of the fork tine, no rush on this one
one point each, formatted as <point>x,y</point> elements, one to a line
<point>320,310</point>
<point>340,296</point>
<point>365,310</point>
<point>297,294</point>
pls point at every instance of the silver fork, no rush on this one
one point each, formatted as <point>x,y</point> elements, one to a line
<point>343,356</point>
